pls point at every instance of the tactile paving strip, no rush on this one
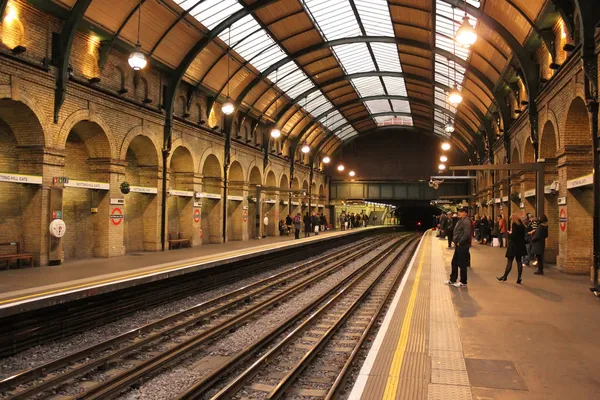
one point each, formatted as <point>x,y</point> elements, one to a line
<point>449,379</point>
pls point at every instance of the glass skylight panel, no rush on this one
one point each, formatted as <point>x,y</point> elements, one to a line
<point>291,79</point>
<point>346,132</point>
<point>211,12</point>
<point>375,17</point>
<point>333,121</point>
<point>378,106</point>
<point>401,106</point>
<point>386,55</point>
<point>368,86</point>
<point>354,57</point>
<point>334,18</point>
<point>300,87</point>
<point>395,85</point>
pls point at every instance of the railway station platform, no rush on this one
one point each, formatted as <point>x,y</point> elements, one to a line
<point>490,340</point>
<point>33,288</point>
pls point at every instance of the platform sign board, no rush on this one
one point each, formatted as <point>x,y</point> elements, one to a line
<point>270,201</point>
<point>581,181</point>
<point>498,201</point>
<point>530,193</point>
<point>295,203</point>
<point>562,218</point>
<point>235,198</point>
<point>181,193</point>
<point>72,183</point>
<point>505,199</point>
<point>143,189</point>
<point>19,178</point>
<point>213,196</point>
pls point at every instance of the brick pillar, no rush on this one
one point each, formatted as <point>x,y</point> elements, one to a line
<point>575,242</point>
<point>235,224</point>
<point>108,236</point>
<point>528,184</point>
<point>551,211</point>
<point>33,199</point>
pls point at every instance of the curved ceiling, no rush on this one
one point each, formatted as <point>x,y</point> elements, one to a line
<point>327,70</point>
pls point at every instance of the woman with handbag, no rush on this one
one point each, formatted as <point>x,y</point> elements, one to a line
<point>538,245</point>
<point>516,248</point>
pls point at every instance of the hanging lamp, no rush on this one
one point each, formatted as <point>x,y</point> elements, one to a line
<point>137,59</point>
<point>326,159</point>
<point>466,35</point>
<point>305,148</point>
<point>446,146</point>
<point>454,95</point>
<point>228,106</point>
<point>449,127</point>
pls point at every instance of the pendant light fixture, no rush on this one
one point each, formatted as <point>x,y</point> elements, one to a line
<point>340,167</point>
<point>446,146</point>
<point>275,132</point>
<point>449,127</point>
<point>228,106</point>
<point>305,148</point>
<point>441,167</point>
<point>326,160</point>
<point>466,35</point>
<point>137,59</point>
<point>454,96</point>
<point>352,173</point>
<point>443,159</point>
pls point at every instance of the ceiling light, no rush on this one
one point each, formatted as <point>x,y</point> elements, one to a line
<point>445,146</point>
<point>341,167</point>
<point>466,35</point>
<point>442,167</point>
<point>454,96</point>
<point>305,148</point>
<point>351,173</point>
<point>227,107</point>
<point>326,159</point>
<point>137,59</point>
<point>449,127</point>
<point>443,158</point>
<point>275,133</point>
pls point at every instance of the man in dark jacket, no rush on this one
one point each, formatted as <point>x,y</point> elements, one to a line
<point>307,221</point>
<point>443,220</point>
<point>314,221</point>
<point>462,241</point>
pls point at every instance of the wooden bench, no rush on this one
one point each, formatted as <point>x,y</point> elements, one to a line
<point>175,239</point>
<point>17,256</point>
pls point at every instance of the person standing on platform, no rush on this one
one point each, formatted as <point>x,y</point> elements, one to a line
<point>516,249</point>
<point>530,227</point>
<point>297,225</point>
<point>450,223</point>
<point>443,220</point>
<point>323,222</point>
<point>476,226</point>
<point>342,221</point>
<point>484,230</point>
<point>289,222</point>
<point>307,221</point>
<point>314,221</point>
<point>462,241</point>
<point>503,231</point>
<point>265,224</point>
<point>538,245</point>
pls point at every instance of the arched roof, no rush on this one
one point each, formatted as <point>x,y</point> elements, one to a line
<point>295,66</point>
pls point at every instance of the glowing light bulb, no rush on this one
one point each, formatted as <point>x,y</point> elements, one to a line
<point>341,167</point>
<point>137,59</point>
<point>454,96</point>
<point>441,167</point>
<point>326,159</point>
<point>466,35</point>
<point>445,146</point>
<point>305,149</point>
<point>449,127</point>
<point>227,107</point>
<point>351,173</point>
<point>443,159</point>
<point>275,133</point>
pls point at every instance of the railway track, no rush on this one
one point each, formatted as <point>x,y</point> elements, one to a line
<point>313,359</point>
<point>22,331</point>
<point>128,358</point>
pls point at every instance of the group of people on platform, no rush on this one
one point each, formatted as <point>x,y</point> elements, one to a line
<point>312,223</point>
<point>352,220</point>
<point>524,240</point>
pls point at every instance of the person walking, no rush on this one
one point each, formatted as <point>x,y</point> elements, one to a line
<point>484,230</point>
<point>450,222</point>
<point>307,221</point>
<point>297,225</point>
<point>462,241</point>
<point>538,245</point>
<point>515,249</point>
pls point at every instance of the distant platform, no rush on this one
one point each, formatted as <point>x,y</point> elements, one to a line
<point>32,288</point>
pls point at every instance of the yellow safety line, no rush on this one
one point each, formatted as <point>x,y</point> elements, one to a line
<point>391,387</point>
<point>233,253</point>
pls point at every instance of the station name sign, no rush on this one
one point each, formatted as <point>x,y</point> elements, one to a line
<point>143,189</point>
<point>87,185</point>
<point>19,178</point>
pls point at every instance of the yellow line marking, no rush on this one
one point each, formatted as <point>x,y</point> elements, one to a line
<point>233,253</point>
<point>391,387</point>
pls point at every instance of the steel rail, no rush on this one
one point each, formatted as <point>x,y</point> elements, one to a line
<point>246,292</point>
<point>218,374</point>
<point>186,348</point>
